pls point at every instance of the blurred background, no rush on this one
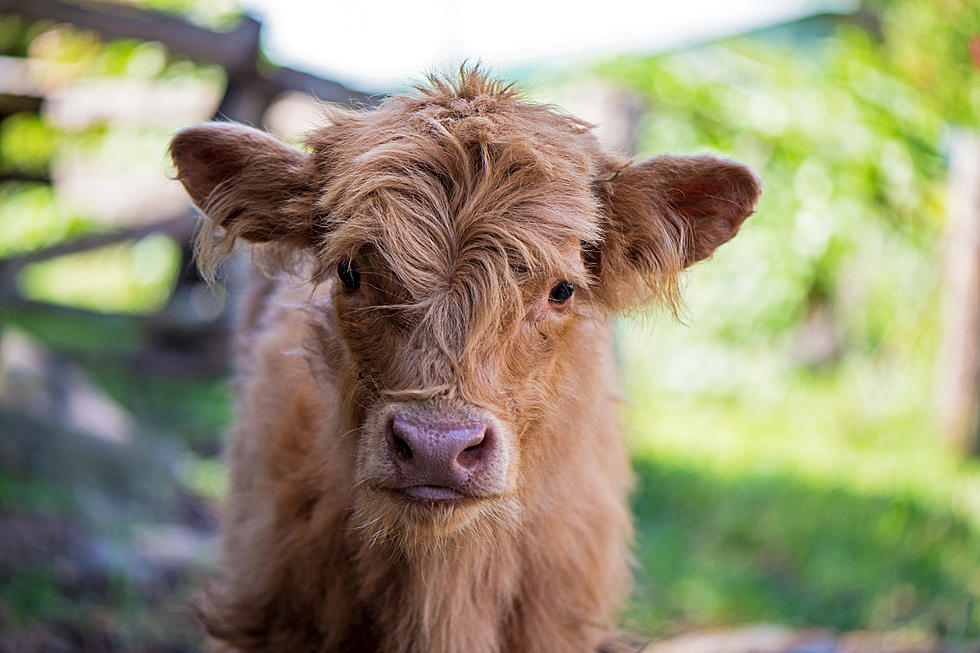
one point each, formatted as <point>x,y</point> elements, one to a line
<point>804,436</point>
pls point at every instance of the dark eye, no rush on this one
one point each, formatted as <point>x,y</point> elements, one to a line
<point>562,292</point>
<point>349,275</point>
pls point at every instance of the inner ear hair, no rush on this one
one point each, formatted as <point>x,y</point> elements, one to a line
<point>662,215</point>
<point>248,185</point>
<point>713,196</point>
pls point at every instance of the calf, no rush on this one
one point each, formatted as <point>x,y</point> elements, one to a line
<point>427,456</point>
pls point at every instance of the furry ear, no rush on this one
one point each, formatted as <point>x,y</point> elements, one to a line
<point>247,183</point>
<point>662,215</point>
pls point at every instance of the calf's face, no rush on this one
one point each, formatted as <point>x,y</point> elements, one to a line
<point>469,246</point>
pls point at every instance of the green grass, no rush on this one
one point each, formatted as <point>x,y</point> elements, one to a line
<point>22,492</point>
<point>34,594</point>
<point>798,498</point>
<point>75,335</point>
<point>716,550</point>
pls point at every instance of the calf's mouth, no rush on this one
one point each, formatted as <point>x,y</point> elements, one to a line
<point>431,493</point>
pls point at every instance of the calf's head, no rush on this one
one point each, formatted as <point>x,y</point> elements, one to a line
<point>468,248</point>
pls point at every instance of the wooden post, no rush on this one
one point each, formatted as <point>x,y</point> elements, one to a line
<point>959,383</point>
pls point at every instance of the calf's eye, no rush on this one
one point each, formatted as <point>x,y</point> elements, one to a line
<point>349,275</point>
<point>562,292</point>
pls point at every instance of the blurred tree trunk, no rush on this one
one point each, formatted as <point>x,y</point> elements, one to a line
<point>959,386</point>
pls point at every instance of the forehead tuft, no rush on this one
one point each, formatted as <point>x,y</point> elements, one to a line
<point>462,167</point>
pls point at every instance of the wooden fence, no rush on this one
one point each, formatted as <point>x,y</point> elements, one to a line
<point>252,86</point>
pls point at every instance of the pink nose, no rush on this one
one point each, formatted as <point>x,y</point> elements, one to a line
<point>439,453</point>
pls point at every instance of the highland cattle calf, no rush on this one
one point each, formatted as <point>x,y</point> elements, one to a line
<point>427,457</point>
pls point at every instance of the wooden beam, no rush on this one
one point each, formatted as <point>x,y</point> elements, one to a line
<point>22,177</point>
<point>959,386</point>
<point>235,50</point>
<point>13,103</point>
<point>289,79</point>
<point>179,228</point>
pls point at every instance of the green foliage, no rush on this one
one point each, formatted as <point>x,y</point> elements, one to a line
<point>935,46</point>
<point>849,156</point>
<point>206,478</point>
<point>819,508</point>
<point>21,493</point>
<point>33,217</point>
<point>195,411</point>
<point>210,13</point>
<point>26,142</point>
<point>125,278</point>
<point>775,484</point>
<point>12,41</point>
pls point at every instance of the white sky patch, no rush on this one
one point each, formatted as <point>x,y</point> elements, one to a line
<point>381,44</point>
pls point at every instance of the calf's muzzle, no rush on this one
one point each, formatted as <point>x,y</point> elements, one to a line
<point>441,459</point>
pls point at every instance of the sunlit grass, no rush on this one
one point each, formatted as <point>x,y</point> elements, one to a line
<point>781,495</point>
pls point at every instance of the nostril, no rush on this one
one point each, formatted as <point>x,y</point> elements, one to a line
<point>476,451</point>
<point>400,448</point>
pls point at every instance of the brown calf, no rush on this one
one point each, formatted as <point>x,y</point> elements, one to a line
<point>427,456</point>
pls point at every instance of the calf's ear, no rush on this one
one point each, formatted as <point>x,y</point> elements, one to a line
<point>662,215</point>
<point>248,184</point>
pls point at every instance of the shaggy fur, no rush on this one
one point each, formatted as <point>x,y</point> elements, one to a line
<point>461,206</point>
